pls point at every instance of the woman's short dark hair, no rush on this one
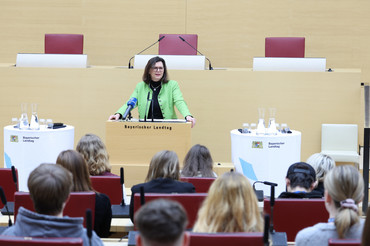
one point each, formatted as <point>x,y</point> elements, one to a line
<point>151,63</point>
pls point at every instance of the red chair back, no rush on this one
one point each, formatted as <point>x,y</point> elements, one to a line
<point>190,201</point>
<point>7,182</point>
<point>109,185</point>
<point>221,239</point>
<point>21,241</point>
<point>284,47</point>
<point>76,206</point>
<point>292,215</point>
<point>64,43</point>
<point>201,184</point>
<point>171,44</point>
<point>344,242</point>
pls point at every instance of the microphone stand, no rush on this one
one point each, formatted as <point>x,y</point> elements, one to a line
<point>152,104</point>
<point>129,62</point>
<point>209,62</point>
<point>146,106</point>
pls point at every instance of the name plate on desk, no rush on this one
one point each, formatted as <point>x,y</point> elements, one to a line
<point>173,62</point>
<point>289,64</point>
<point>51,60</point>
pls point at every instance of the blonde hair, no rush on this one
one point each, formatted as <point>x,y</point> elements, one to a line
<point>164,164</point>
<point>341,183</point>
<point>95,154</point>
<point>231,206</point>
<point>322,164</point>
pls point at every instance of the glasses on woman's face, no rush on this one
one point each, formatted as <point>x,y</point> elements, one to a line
<point>158,68</point>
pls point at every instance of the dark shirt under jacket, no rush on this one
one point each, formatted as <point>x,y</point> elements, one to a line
<point>312,194</point>
<point>160,185</point>
<point>156,107</point>
<point>103,215</point>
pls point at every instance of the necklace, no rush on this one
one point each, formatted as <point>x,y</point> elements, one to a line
<point>155,88</point>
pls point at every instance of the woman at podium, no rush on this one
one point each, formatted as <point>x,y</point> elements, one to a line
<point>156,96</point>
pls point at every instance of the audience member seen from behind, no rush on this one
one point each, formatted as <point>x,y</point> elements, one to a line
<point>95,154</point>
<point>344,189</point>
<point>366,232</point>
<point>322,164</point>
<point>300,182</point>
<point>49,186</point>
<point>163,177</point>
<point>75,163</point>
<point>161,222</point>
<point>198,163</point>
<point>165,95</point>
<point>231,206</point>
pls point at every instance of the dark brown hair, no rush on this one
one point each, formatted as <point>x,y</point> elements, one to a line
<point>49,187</point>
<point>75,163</point>
<point>151,63</point>
<point>198,159</point>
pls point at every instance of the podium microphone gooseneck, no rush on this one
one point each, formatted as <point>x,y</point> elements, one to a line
<point>3,200</point>
<point>129,62</point>
<point>146,106</point>
<point>209,62</point>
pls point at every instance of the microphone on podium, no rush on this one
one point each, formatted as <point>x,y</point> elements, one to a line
<point>4,201</point>
<point>130,105</point>
<point>209,62</point>
<point>129,62</point>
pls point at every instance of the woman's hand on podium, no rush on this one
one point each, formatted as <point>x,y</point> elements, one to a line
<point>190,118</point>
<point>114,117</point>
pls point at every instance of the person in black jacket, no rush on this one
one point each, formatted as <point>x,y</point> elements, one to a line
<point>300,182</point>
<point>163,177</point>
<point>75,163</point>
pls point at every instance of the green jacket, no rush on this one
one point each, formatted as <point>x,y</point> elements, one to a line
<point>169,96</point>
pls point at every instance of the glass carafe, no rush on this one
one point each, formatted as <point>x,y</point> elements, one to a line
<point>272,129</point>
<point>261,122</point>
<point>23,121</point>
<point>34,125</point>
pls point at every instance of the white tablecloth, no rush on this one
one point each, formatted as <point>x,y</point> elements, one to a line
<point>26,149</point>
<point>265,157</point>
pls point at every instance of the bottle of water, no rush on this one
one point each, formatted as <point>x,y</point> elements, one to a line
<point>23,121</point>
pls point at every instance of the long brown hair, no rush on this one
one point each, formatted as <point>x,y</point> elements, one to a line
<point>164,164</point>
<point>75,163</point>
<point>151,63</point>
<point>198,159</point>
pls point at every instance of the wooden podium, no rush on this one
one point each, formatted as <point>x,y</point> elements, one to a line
<point>132,145</point>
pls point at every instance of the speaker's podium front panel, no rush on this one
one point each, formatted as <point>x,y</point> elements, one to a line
<point>133,144</point>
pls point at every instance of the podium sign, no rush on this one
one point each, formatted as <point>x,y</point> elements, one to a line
<point>135,143</point>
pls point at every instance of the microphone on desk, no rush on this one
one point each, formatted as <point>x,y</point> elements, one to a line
<point>209,62</point>
<point>159,40</point>
<point>122,180</point>
<point>14,174</point>
<point>146,106</point>
<point>130,105</point>
<point>89,224</point>
<point>3,200</point>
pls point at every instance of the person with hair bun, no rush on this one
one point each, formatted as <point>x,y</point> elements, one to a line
<point>95,154</point>
<point>322,164</point>
<point>344,190</point>
<point>231,206</point>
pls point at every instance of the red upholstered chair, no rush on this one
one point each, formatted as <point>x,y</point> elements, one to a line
<point>76,205</point>
<point>284,47</point>
<point>190,201</point>
<point>64,43</point>
<point>109,185</point>
<point>344,242</point>
<point>201,184</point>
<point>172,44</point>
<point>292,215</point>
<point>7,182</point>
<point>221,239</point>
<point>21,241</point>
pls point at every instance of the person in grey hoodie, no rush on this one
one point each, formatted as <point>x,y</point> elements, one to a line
<point>49,186</point>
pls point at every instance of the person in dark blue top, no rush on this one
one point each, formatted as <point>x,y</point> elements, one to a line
<point>300,182</point>
<point>163,177</point>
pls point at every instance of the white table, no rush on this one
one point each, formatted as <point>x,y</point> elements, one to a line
<point>26,149</point>
<point>265,157</point>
